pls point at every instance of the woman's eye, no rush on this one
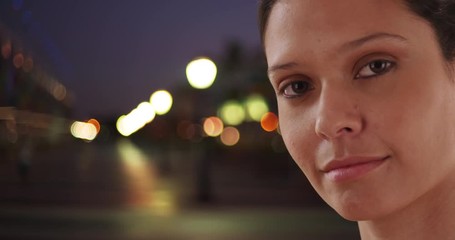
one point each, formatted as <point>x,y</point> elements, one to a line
<point>374,68</point>
<point>297,88</point>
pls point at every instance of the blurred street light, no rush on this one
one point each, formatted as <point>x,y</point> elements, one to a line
<point>136,119</point>
<point>230,136</point>
<point>146,112</point>
<point>256,107</point>
<point>83,130</point>
<point>269,122</point>
<point>96,124</point>
<point>232,113</point>
<point>161,101</point>
<point>213,126</point>
<point>201,73</point>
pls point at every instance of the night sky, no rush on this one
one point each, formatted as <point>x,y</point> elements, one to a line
<point>112,54</point>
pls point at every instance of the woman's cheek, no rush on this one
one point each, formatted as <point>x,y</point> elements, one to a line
<point>296,137</point>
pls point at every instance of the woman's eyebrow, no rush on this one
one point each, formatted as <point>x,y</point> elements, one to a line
<point>277,67</point>
<point>372,37</point>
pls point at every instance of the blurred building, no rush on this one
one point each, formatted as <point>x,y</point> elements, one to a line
<point>34,105</point>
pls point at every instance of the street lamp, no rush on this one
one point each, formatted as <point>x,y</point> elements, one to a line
<point>201,73</point>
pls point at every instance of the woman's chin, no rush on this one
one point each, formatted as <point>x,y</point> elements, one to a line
<point>359,211</point>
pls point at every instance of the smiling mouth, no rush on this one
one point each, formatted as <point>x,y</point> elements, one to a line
<point>352,168</point>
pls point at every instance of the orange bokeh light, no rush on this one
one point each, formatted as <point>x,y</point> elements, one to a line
<point>269,122</point>
<point>95,123</point>
<point>230,136</point>
<point>213,126</point>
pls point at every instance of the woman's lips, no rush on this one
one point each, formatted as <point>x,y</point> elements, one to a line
<point>351,168</point>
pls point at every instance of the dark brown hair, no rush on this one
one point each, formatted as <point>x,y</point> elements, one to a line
<point>439,13</point>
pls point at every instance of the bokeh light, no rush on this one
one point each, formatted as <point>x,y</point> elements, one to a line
<point>83,130</point>
<point>230,136</point>
<point>256,107</point>
<point>18,60</point>
<point>136,119</point>
<point>95,123</point>
<point>213,126</point>
<point>232,113</point>
<point>185,130</point>
<point>146,112</point>
<point>269,122</point>
<point>161,101</point>
<point>122,126</point>
<point>201,73</point>
<point>58,91</point>
<point>189,131</point>
<point>128,124</point>
<point>6,49</point>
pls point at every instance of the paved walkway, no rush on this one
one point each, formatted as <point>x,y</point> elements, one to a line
<point>124,191</point>
<point>197,224</point>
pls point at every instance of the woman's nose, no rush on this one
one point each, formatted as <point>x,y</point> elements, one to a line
<point>338,114</point>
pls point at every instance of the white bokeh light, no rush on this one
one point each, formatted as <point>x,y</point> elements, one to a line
<point>201,73</point>
<point>161,101</point>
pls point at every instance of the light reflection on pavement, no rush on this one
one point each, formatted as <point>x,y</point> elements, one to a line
<point>145,187</point>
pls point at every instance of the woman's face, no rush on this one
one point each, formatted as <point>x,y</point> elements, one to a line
<point>366,102</point>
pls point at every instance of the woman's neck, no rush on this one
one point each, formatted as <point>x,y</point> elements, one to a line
<point>432,216</point>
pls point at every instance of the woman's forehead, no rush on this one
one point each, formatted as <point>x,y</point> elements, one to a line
<point>319,24</point>
<point>323,15</point>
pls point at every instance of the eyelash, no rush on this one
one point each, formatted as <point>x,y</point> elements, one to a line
<point>386,66</point>
<point>307,86</point>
